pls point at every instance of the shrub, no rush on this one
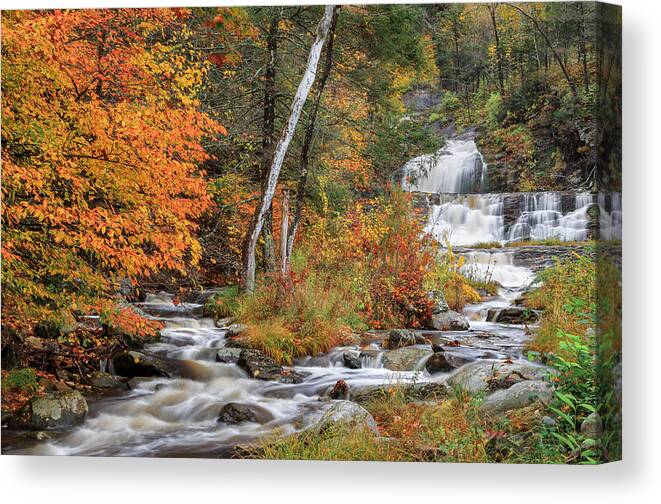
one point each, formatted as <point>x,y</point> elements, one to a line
<point>223,304</point>
<point>457,288</point>
<point>575,398</point>
<point>494,109</point>
<point>450,103</point>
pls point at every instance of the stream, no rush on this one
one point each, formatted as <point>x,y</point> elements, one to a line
<point>178,417</point>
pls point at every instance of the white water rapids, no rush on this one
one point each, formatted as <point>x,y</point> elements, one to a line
<point>175,417</point>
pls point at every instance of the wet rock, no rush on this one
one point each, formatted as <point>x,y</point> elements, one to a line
<point>258,365</point>
<point>350,414</point>
<point>449,321</point>
<point>438,363</point>
<point>105,380</point>
<point>405,359</point>
<point>340,391</point>
<point>592,427</point>
<point>228,355</point>
<point>235,413</point>
<point>400,338</point>
<point>57,410</point>
<point>491,375</point>
<point>131,364</point>
<point>352,360</point>
<point>262,367</point>
<point>517,396</point>
<point>512,315</point>
<point>455,359</point>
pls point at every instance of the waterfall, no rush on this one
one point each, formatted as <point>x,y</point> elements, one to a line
<point>610,216</point>
<point>456,168</point>
<point>542,218</point>
<point>467,219</point>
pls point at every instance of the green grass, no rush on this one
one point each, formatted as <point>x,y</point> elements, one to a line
<point>223,304</point>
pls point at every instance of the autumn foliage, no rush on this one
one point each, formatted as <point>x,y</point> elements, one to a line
<point>102,139</point>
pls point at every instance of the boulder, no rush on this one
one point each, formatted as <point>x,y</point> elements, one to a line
<point>350,414</point>
<point>438,363</point>
<point>400,338</point>
<point>258,365</point>
<point>106,380</point>
<point>592,427</point>
<point>228,355</point>
<point>517,396</point>
<point>234,330</point>
<point>455,359</point>
<point>57,410</point>
<point>235,413</point>
<point>340,391</point>
<point>132,364</point>
<point>512,315</point>
<point>449,321</point>
<point>405,359</point>
<point>352,360</point>
<point>486,374</point>
<point>263,367</point>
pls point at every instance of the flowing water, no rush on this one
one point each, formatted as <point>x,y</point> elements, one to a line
<point>178,416</point>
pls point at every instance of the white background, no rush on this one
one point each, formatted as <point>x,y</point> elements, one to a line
<point>636,479</point>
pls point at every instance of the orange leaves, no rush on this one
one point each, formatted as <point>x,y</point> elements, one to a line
<point>102,142</point>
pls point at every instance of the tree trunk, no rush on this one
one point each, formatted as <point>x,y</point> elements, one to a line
<point>307,142</point>
<point>499,54</point>
<point>284,232</point>
<point>268,135</point>
<point>583,49</point>
<point>250,242</point>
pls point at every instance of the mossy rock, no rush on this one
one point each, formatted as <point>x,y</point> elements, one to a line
<point>55,411</point>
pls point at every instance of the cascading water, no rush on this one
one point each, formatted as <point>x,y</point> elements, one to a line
<point>610,215</point>
<point>466,216</point>
<point>467,219</point>
<point>456,168</point>
<point>542,218</point>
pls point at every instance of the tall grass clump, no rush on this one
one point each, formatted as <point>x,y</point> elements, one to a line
<point>566,293</point>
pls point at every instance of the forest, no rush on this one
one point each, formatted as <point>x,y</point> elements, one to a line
<point>382,232</point>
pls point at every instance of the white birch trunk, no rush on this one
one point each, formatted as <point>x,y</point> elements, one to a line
<point>282,146</point>
<point>284,231</point>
